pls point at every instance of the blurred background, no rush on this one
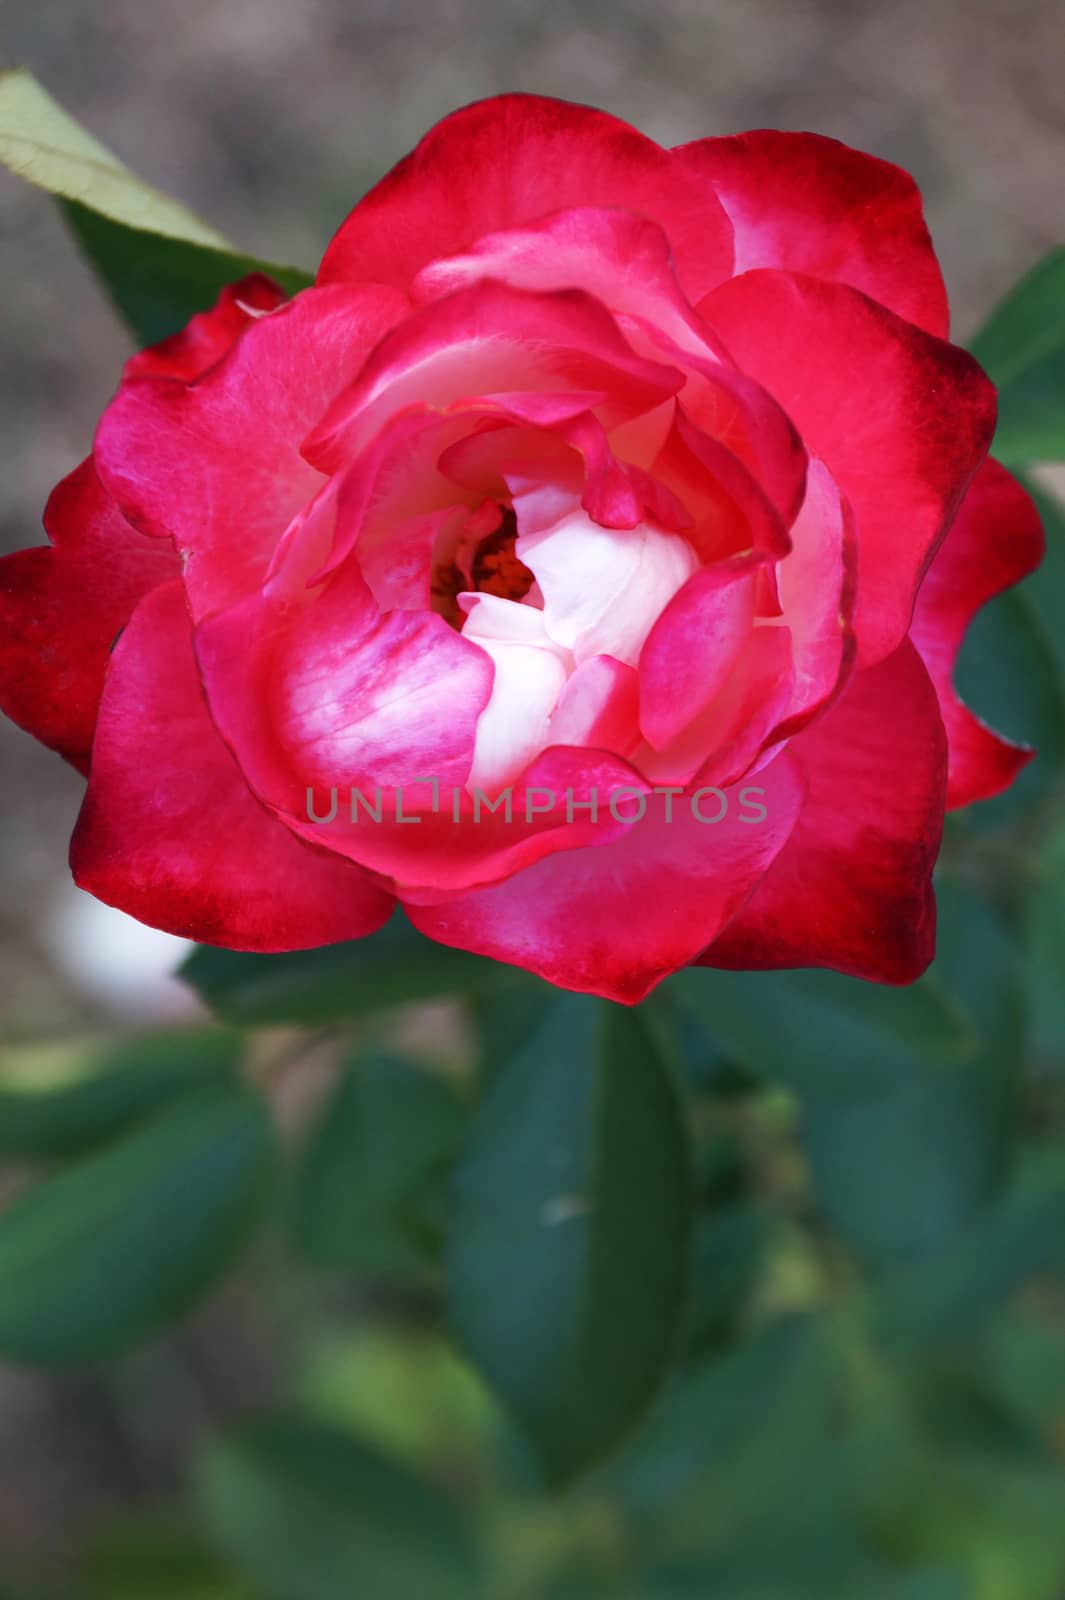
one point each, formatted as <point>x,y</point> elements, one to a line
<point>270,119</point>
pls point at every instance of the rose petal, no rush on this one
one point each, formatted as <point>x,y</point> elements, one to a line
<point>622,259</point>
<point>599,706</point>
<point>604,587</point>
<point>205,339</point>
<point>900,419</point>
<point>62,607</point>
<point>694,646</point>
<point>508,160</point>
<point>817,589</point>
<point>169,831</point>
<point>810,204</point>
<point>617,920</point>
<point>216,465</point>
<point>995,540</point>
<point>852,888</point>
<point>486,340</point>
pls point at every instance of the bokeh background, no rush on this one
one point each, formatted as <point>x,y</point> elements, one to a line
<point>270,118</point>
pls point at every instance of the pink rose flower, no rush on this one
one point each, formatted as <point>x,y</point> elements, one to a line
<point>581,563</point>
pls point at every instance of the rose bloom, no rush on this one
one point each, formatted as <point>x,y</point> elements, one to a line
<point>585,466</point>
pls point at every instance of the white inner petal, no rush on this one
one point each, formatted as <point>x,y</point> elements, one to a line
<point>512,728</point>
<point>603,588</point>
<point>598,592</point>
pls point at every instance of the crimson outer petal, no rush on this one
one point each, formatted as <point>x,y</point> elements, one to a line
<point>169,830</point>
<point>206,337</point>
<point>616,920</point>
<point>810,204</point>
<point>852,888</point>
<point>901,420</point>
<point>61,607</point>
<point>995,540</point>
<point>216,465</point>
<point>506,161</point>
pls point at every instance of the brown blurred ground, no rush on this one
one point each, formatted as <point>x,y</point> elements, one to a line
<point>271,117</point>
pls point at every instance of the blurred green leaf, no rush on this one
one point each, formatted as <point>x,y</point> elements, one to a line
<point>951,1296</point>
<point>312,1513</point>
<point>157,1557</point>
<point>701,1580</point>
<point>1045,588</point>
<point>743,1472</point>
<point>818,1032</point>
<point>40,142</point>
<point>158,283</point>
<point>902,1173</point>
<point>731,1245</point>
<point>713,1412</point>
<point>159,261</point>
<point>569,1248</point>
<point>1043,919</point>
<point>111,1250</point>
<point>1008,670</point>
<point>125,1085</point>
<point>1022,1362</point>
<point>1022,346</point>
<point>340,981</point>
<point>385,1134</point>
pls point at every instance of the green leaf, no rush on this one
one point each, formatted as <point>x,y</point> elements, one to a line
<point>155,1556</point>
<point>312,1513</point>
<point>900,1176</point>
<point>128,1084</point>
<point>158,283</point>
<point>390,968</point>
<point>385,1135</point>
<point>158,260</point>
<point>1008,672</point>
<point>818,1032</point>
<point>730,1251</point>
<point>111,1250</point>
<point>714,1414</point>
<point>1044,931</point>
<point>902,1173</point>
<point>569,1248</point>
<point>1022,346</point>
<point>951,1296</point>
<point>41,143</point>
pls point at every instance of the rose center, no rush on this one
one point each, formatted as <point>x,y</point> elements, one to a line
<point>481,563</point>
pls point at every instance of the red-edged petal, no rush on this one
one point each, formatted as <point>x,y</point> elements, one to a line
<point>732,732</point>
<point>208,335</point>
<point>617,920</point>
<point>599,706</point>
<point>995,540</point>
<point>216,465</point>
<point>852,888</point>
<point>318,687</point>
<point>731,511</point>
<point>622,259</point>
<point>169,830</point>
<point>810,204</point>
<point>503,162</point>
<point>491,339</point>
<point>694,646</point>
<point>316,700</point>
<point>902,421</point>
<point>62,606</point>
<point>816,585</point>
